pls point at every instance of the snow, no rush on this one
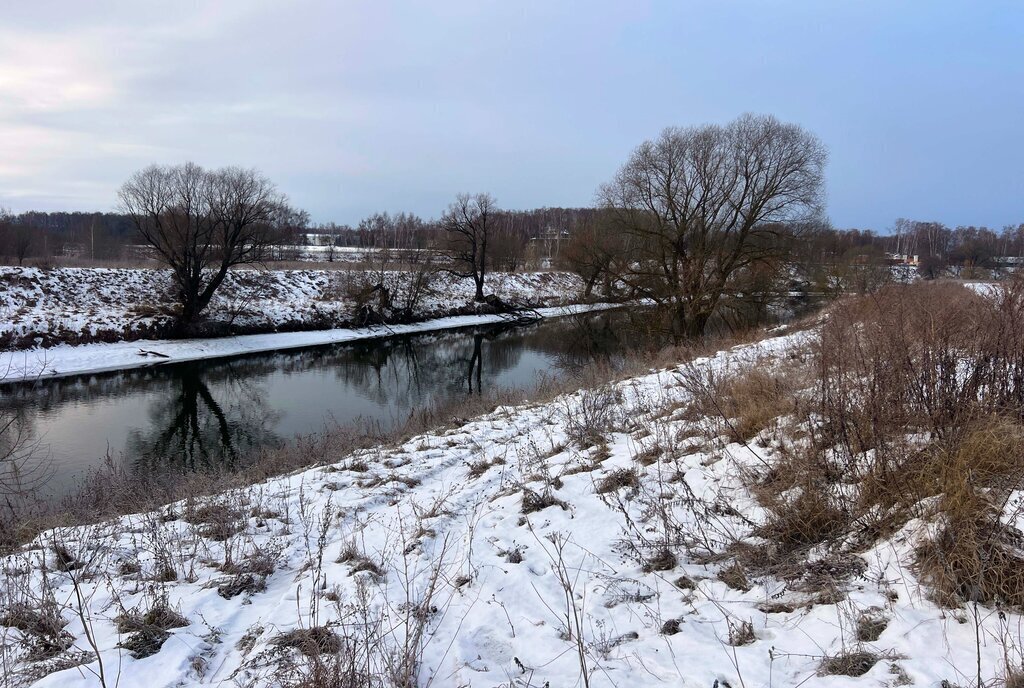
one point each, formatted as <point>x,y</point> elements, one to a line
<point>987,289</point>
<point>442,515</point>
<point>77,305</point>
<point>64,360</point>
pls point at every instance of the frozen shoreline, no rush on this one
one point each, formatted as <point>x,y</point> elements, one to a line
<point>67,360</point>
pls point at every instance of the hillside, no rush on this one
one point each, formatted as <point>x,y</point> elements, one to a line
<point>660,530</point>
<point>41,308</point>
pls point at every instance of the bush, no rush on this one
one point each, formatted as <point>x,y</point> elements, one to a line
<point>916,410</point>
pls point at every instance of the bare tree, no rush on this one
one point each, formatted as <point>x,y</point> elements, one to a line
<point>595,253</point>
<point>17,238</point>
<point>469,223</point>
<point>507,247</point>
<point>23,241</point>
<point>203,222</point>
<point>700,204</point>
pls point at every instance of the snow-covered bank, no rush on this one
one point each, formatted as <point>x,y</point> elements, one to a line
<point>64,360</point>
<point>534,546</point>
<point>40,308</point>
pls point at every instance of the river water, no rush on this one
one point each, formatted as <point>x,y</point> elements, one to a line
<point>211,414</point>
<point>214,414</point>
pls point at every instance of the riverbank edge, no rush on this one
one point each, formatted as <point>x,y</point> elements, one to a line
<point>67,360</point>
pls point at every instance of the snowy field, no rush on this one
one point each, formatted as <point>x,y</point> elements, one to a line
<point>78,305</point>
<point>516,549</point>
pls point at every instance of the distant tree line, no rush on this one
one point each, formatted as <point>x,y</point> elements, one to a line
<point>565,234</point>
<point>517,238</point>
<point>693,215</point>
<point>34,235</point>
<point>931,248</point>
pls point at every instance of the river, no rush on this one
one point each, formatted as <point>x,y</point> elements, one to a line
<point>213,414</point>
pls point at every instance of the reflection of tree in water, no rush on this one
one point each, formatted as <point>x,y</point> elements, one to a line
<point>192,430</point>
<point>213,414</point>
<point>476,365</point>
<point>607,336</point>
<point>47,395</point>
<point>24,460</point>
<point>578,340</point>
<point>412,371</point>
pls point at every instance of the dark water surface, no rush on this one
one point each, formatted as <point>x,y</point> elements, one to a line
<point>211,414</point>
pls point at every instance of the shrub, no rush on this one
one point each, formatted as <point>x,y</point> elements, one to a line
<point>915,410</point>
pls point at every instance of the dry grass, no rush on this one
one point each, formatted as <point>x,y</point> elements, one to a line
<point>753,400</point>
<point>311,642</point>
<point>975,556</point>
<point>662,560</point>
<point>852,663</point>
<point>216,520</point>
<point>915,409</point>
<point>242,583</point>
<point>735,576</point>
<point>796,522</point>
<point>617,480</point>
<point>43,626</point>
<point>538,501</point>
<point>1013,677</point>
<point>744,403</point>
<point>870,625</point>
<point>741,633</point>
<point>148,631</point>
<point>358,562</point>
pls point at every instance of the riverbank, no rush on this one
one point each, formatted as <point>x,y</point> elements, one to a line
<point>618,535</point>
<point>67,360</point>
<point>45,308</point>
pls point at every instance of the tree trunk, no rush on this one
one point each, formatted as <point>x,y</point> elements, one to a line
<point>479,280</point>
<point>695,324</point>
<point>188,295</point>
<point>195,298</point>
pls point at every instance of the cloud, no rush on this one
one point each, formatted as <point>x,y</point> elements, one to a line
<point>359,105</point>
<point>34,78</point>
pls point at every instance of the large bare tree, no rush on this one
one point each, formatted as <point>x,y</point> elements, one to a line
<point>699,205</point>
<point>470,223</point>
<point>201,223</point>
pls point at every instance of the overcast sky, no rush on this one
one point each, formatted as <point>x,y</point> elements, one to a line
<point>355,107</point>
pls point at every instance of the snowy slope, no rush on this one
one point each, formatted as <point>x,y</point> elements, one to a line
<point>502,540</point>
<point>77,305</point>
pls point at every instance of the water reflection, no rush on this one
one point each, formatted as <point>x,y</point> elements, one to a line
<point>192,431</point>
<point>213,415</point>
